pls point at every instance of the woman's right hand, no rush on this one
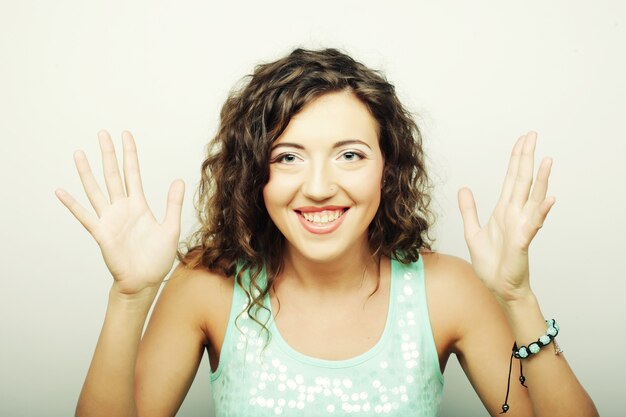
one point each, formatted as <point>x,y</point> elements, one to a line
<point>137,249</point>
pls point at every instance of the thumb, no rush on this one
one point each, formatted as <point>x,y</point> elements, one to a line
<point>174,205</point>
<point>467,206</point>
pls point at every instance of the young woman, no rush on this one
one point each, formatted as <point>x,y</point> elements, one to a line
<point>310,281</point>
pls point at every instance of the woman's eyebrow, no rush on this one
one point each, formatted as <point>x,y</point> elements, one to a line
<point>336,145</point>
<point>288,145</point>
<point>350,142</point>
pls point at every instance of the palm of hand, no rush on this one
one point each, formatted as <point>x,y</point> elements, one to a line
<point>499,250</point>
<point>138,251</point>
<point>128,228</point>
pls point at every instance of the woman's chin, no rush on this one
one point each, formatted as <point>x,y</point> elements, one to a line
<point>326,253</point>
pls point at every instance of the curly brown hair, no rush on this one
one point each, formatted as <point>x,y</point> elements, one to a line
<point>236,233</point>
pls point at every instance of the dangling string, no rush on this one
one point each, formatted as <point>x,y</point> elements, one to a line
<point>505,406</point>
<point>522,379</point>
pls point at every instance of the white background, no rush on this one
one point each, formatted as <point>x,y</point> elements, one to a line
<point>478,74</point>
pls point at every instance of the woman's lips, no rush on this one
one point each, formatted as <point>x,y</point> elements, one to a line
<point>320,228</point>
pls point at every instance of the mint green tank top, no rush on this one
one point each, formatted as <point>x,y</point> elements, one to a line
<point>399,376</point>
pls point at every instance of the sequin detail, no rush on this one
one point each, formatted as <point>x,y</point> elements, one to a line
<point>399,376</point>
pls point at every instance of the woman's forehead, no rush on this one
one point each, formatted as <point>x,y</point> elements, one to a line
<point>337,116</point>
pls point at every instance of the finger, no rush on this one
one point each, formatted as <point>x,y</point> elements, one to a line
<point>540,189</point>
<point>467,206</point>
<point>545,207</point>
<point>524,177</point>
<point>132,176</point>
<point>174,206</point>
<point>511,173</point>
<point>87,219</point>
<point>95,195</point>
<point>540,215</point>
<point>110,167</point>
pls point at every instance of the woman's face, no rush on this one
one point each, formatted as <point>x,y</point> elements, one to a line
<point>325,178</point>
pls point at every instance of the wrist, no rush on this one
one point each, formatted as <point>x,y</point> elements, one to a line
<point>521,302</point>
<point>135,301</point>
<point>525,318</point>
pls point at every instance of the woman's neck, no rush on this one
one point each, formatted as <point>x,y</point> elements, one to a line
<point>351,272</point>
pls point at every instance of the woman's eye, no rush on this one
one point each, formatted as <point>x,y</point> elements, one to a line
<point>351,156</point>
<point>286,158</point>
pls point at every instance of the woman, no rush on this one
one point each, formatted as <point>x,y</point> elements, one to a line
<point>310,281</point>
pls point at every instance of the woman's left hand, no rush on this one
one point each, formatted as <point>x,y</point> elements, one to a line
<point>499,250</point>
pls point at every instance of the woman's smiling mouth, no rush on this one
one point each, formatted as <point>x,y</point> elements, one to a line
<point>321,220</point>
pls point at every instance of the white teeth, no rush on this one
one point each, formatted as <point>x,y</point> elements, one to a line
<point>323,217</point>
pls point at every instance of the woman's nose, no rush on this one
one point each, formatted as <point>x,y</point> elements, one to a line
<point>319,183</point>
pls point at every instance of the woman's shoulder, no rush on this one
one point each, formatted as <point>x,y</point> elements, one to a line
<point>205,294</point>
<point>453,290</point>
<point>452,277</point>
<point>446,269</point>
<point>200,279</point>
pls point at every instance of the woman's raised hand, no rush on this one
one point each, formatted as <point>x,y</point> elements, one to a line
<point>137,249</point>
<point>499,249</point>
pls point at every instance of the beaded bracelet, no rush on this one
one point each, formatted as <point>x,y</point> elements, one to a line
<point>527,351</point>
<point>533,348</point>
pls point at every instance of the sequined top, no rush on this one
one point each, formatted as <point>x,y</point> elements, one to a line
<point>399,376</point>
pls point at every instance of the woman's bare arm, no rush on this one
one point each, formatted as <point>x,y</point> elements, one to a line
<point>482,340</point>
<point>191,315</point>
<point>499,252</point>
<point>139,252</point>
<point>108,389</point>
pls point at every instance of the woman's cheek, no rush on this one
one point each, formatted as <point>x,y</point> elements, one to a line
<point>364,186</point>
<point>280,188</point>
